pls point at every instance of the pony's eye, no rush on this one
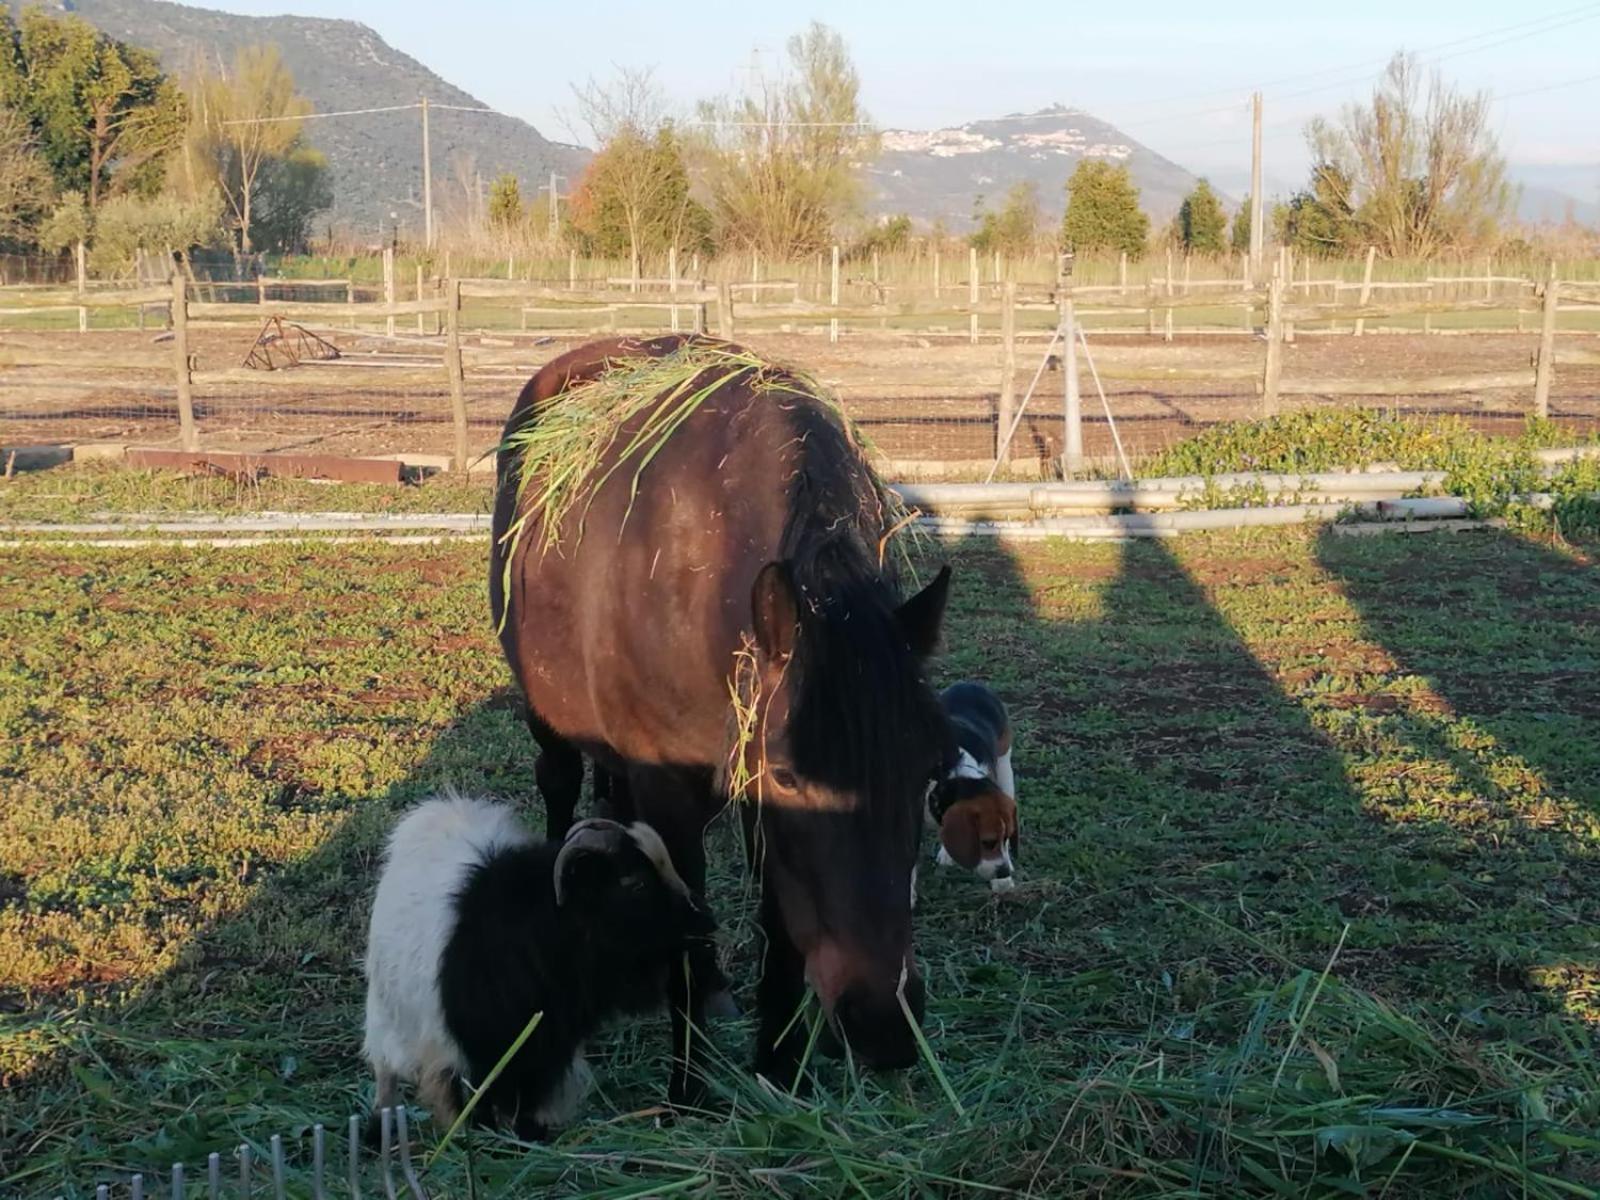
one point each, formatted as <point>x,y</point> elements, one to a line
<point>783,779</point>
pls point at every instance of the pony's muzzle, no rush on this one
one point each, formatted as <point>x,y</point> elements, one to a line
<point>876,1025</point>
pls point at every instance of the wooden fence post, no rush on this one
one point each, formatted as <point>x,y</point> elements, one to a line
<point>1546,366</point>
<point>452,366</point>
<point>936,281</point>
<point>388,289</point>
<point>1274,364</point>
<point>572,270</point>
<point>1366,288</point>
<point>672,283</point>
<point>422,328</point>
<point>1122,274</point>
<point>350,299</point>
<point>724,310</point>
<point>188,435</point>
<point>972,294</point>
<point>833,298</point>
<point>83,286</point>
<point>1008,367</point>
<point>261,289</point>
<point>874,265</point>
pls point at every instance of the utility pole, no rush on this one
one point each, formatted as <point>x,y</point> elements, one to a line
<point>1257,232</point>
<point>427,181</point>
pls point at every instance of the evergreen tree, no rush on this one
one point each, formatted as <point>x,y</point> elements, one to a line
<point>1103,210</point>
<point>1201,223</point>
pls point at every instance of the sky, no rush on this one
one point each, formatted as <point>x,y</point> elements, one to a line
<point>1174,76</point>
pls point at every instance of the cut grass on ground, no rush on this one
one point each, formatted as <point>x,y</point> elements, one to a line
<point>1309,901</point>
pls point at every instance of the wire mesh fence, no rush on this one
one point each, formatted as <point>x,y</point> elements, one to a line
<point>100,365</point>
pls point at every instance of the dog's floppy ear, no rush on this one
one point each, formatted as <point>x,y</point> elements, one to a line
<point>958,833</point>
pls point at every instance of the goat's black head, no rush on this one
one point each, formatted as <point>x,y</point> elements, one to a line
<point>620,882</point>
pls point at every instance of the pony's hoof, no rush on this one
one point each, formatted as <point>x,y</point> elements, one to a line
<point>721,1006</point>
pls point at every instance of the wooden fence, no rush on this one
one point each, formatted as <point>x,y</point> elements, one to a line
<point>1274,314</point>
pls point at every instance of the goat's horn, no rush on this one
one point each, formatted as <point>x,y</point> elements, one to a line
<point>592,836</point>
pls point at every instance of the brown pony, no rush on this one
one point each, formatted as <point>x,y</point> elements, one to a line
<point>752,556</point>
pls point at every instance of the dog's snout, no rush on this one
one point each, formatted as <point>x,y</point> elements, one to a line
<point>1003,871</point>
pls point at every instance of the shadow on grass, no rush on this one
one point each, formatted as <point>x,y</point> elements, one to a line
<point>1143,1015</point>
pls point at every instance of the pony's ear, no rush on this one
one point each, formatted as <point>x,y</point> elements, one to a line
<point>775,612</point>
<point>922,616</point>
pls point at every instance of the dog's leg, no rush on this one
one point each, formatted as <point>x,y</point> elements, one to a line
<point>1003,777</point>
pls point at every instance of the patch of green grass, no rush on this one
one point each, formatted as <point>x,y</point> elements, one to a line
<point>79,492</point>
<point>1309,901</point>
<point>1487,471</point>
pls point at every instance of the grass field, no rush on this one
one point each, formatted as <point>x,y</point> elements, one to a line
<point>1309,905</point>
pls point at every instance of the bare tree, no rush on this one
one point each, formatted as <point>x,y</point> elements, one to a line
<point>1423,170</point>
<point>245,119</point>
<point>637,172</point>
<point>24,178</point>
<point>781,161</point>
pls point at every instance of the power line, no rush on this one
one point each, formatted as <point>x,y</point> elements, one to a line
<point>1549,87</point>
<point>362,112</point>
<point>1491,39</point>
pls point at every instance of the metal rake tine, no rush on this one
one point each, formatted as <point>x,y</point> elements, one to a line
<point>413,1184</point>
<point>277,1166</point>
<point>385,1148</point>
<point>177,1181</point>
<point>318,1160</point>
<point>245,1163</point>
<point>353,1163</point>
<point>214,1176</point>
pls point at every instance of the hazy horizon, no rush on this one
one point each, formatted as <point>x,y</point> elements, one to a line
<point>1177,82</point>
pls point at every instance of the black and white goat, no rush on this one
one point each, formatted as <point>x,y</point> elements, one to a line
<point>476,926</point>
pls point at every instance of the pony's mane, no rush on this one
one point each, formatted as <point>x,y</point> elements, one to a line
<point>862,711</point>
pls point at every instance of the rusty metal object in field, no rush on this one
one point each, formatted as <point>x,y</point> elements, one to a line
<point>279,345</point>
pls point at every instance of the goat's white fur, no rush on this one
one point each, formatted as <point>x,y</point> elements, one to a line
<point>413,913</point>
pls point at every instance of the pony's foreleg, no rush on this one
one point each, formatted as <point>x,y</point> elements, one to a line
<point>673,806</point>
<point>559,773</point>
<point>783,1032</point>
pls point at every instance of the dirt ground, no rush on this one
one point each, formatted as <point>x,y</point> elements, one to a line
<point>916,397</point>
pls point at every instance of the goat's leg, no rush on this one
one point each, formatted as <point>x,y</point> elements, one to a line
<point>437,1090</point>
<point>385,1094</point>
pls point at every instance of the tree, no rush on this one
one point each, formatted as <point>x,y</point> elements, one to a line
<point>1015,228</point>
<point>1423,171</point>
<point>292,191</point>
<point>101,113</point>
<point>633,199</point>
<point>1201,223</point>
<point>1240,238</point>
<point>505,202</point>
<point>249,117</point>
<point>1103,210</point>
<point>638,184</point>
<point>164,224</point>
<point>781,161</point>
<point>24,179</point>
<point>68,224</point>
<point>1319,221</point>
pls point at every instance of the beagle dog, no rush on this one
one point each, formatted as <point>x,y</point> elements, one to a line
<point>974,806</point>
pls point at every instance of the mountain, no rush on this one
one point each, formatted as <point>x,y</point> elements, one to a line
<point>375,160</point>
<point>1552,195</point>
<point>937,175</point>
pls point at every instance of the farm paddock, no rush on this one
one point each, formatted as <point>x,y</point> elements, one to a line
<point>928,400</point>
<point>1309,901</point>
